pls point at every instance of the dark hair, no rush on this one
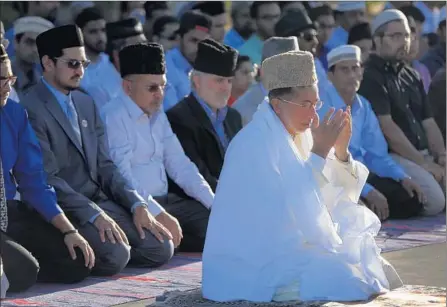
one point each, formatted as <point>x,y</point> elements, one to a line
<point>318,11</point>
<point>161,22</point>
<point>150,6</point>
<point>254,8</point>
<point>432,39</point>
<point>242,59</point>
<point>19,36</point>
<point>359,32</point>
<point>412,11</point>
<point>280,92</point>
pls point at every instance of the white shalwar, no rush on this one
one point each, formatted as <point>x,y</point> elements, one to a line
<point>285,223</point>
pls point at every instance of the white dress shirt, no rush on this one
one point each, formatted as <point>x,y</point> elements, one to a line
<point>144,148</point>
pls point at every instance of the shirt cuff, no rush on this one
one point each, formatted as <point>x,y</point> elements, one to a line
<point>316,162</point>
<point>93,218</point>
<point>152,206</point>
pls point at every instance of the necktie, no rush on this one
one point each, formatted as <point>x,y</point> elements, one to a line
<point>3,205</point>
<point>73,118</point>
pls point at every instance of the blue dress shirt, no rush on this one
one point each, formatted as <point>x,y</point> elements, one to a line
<point>233,39</point>
<point>339,37</point>
<point>217,120</point>
<point>9,35</point>
<point>253,48</point>
<point>368,145</point>
<point>22,162</point>
<point>177,74</point>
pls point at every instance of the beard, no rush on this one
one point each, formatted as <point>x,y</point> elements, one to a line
<point>245,31</point>
<point>96,48</point>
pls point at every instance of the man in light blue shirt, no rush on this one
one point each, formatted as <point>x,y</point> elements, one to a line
<point>101,79</point>
<point>347,15</point>
<point>243,26</point>
<point>389,191</point>
<point>146,150</point>
<point>194,28</point>
<point>265,14</point>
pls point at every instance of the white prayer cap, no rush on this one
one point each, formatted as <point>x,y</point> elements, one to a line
<point>343,53</point>
<point>386,17</point>
<point>289,69</point>
<point>33,24</point>
<point>346,6</point>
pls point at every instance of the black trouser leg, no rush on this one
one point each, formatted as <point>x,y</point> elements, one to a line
<point>46,243</point>
<point>401,205</point>
<point>19,265</point>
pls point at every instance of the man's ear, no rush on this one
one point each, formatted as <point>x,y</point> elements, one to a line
<point>127,86</point>
<point>48,63</point>
<point>275,105</point>
<point>116,59</point>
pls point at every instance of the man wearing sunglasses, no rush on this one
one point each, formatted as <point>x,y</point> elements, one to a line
<point>297,23</point>
<point>398,98</point>
<point>35,224</point>
<point>76,156</point>
<point>285,223</point>
<point>146,151</point>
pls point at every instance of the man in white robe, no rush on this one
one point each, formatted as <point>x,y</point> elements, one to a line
<point>285,223</point>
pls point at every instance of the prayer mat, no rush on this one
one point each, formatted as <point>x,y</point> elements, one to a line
<point>414,296</point>
<point>403,234</point>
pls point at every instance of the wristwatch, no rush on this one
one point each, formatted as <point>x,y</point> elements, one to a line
<point>69,232</point>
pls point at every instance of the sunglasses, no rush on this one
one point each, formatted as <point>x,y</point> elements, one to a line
<point>74,64</point>
<point>10,81</point>
<point>309,36</point>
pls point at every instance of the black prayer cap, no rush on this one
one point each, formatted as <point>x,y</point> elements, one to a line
<point>191,20</point>
<point>292,23</point>
<point>215,58</point>
<point>123,29</point>
<point>211,8</point>
<point>411,10</point>
<point>359,32</point>
<point>87,15</point>
<point>53,41</point>
<point>142,59</point>
<point>150,6</point>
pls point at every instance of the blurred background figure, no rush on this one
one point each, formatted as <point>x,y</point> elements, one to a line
<point>323,17</point>
<point>244,76</point>
<point>243,26</point>
<point>437,99</point>
<point>360,35</point>
<point>215,10</point>
<point>165,32</point>
<point>133,9</point>
<point>434,59</point>
<point>153,11</point>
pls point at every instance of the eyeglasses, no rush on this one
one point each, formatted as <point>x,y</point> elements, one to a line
<point>74,64</point>
<point>317,105</point>
<point>398,36</point>
<point>10,81</point>
<point>154,88</point>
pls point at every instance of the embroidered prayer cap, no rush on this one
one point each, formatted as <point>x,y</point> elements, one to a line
<point>215,58</point>
<point>346,6</point>
<point>292,23</point>
<point>344,53</point>
<point>142,59</point>
<point>359,32</point>
<point>33,24</point>
<point>194,21</point>
<point>123,29</point>
<point>88,14</point>
<point>290,69</point>
<point>276,45</point>
<point>211,8</point>
<point>53,41</point>
<point>386,17</point>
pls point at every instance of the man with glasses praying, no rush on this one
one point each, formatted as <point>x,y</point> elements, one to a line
<point>146,150</point>
<point>89,186</point>
<point>389,191</point>
<point>285,223</point>
<point>397,96</point>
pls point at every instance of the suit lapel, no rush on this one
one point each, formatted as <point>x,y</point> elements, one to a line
<point>205,121</point>
<point>56,111</point>
<point>83,126</point>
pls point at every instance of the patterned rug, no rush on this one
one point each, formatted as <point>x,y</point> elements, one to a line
<point>414,296</point>
<point>184,272</point>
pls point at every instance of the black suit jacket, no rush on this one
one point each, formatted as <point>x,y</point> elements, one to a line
<point>199,140</point>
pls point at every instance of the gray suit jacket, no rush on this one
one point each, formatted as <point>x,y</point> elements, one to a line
<point>248,103</point>
<point>82,176</point>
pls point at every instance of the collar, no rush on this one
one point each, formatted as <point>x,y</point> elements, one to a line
<point>386,65</point>
<point>135,111</point>
<point>180,61</point>
<point>221,113</point>
<point>60,97</point>
<point>337,101</point>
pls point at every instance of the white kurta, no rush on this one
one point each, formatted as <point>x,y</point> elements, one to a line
<point>283,224</point>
